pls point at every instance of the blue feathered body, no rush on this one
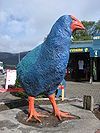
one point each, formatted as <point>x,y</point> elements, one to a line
<point>43,68</point>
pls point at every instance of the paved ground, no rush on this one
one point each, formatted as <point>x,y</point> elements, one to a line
<point>79,89</point>
<point>87,123</point>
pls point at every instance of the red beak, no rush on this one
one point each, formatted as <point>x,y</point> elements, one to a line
<point>76,24</point>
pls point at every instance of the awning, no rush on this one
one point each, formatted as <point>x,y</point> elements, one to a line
<point>83,47</point>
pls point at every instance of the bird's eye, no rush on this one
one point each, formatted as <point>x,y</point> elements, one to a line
<point>74,21</point>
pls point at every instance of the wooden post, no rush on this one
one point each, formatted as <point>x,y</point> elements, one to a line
<point>88,102</point>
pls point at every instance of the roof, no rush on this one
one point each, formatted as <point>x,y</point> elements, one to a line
<point>78,44</point>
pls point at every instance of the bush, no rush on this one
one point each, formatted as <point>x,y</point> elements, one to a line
<point>19,94</point>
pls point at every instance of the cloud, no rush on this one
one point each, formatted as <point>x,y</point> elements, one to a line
<point>3,17</point>
<point>15,26</point>
<point>24,24</point>
<point>16,33</point>
<point>91,10</point>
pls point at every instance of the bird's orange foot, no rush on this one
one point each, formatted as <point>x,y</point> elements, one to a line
<point>35,115</point>
<point>32,111</point>
<point>59,114</point>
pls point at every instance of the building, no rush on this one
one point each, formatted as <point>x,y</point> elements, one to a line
<point>84,62</point>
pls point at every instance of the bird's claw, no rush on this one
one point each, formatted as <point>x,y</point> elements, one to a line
<point>59,114</point>
<point>36,116</point>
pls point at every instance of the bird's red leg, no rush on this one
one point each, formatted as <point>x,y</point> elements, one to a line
<point>32,111</point>
<point>57,112</point>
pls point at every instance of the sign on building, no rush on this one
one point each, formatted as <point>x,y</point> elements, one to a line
<point>79,50</point>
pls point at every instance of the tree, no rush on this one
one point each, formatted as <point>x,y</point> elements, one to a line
<point>92,28</point>
<point>95,30</point>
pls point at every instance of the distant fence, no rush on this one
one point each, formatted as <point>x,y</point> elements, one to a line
<point>12,90</point>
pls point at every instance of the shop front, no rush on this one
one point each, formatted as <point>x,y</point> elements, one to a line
<point>84,62</point>
<point>96,65</point>
<point>79,64</point>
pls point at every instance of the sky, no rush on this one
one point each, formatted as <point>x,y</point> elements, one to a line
<point>25,23</point>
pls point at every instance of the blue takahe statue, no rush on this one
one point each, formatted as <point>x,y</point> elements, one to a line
<point>43,68</point>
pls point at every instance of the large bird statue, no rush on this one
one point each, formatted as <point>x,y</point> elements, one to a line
<point>43,68</point>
